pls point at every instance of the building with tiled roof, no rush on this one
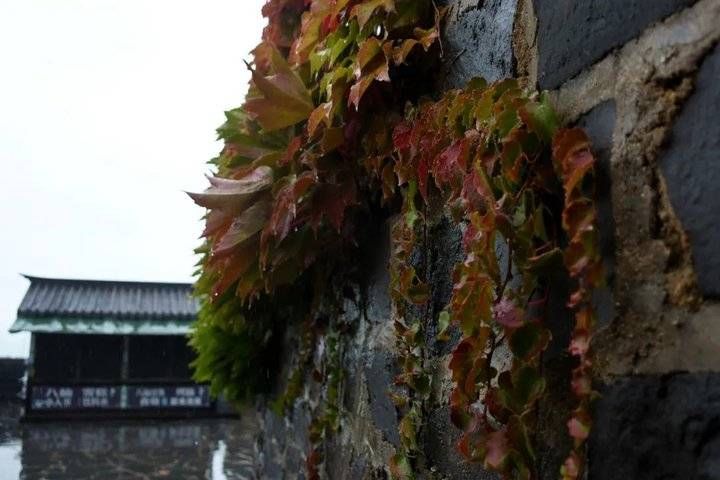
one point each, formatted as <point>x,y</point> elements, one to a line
<point>109,348</point>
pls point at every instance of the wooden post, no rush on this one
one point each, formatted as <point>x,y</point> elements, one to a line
<point>125,371</point>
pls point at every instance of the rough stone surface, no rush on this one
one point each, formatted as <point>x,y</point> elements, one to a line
<point>477,41</point>
<point>380,376</point>
<point>442,454</point>
<point>658,427</point>
<point>574,34</point>
<point>691,167</point>
<point>658,314</point>
<point>444,252</point>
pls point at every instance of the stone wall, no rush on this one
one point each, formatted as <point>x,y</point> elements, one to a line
<point>642,77</point>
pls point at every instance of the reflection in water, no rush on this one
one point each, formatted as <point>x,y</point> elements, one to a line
<point>10,459</point>
<point>214,449</point>
<point>218,461</point>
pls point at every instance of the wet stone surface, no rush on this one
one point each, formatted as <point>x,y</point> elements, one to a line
<point>574,34</point>
<point>658,427</point>
<point>212,449</point>
<point>477,41</point>
<point>691,167</point>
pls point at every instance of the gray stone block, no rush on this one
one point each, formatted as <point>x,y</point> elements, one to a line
<point>380,375</point>
<point>691,167</point>
<point>574,34</point>
<point>658,427</point>
<point>477,41</point>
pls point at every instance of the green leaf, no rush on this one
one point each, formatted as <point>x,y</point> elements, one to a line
<point>443,326</point>
<point>400,468</point>
<point>528,340</point>
<point>528,385</point>
<point>408,430</point>
<point>542,118</point>
<point>550,262</point>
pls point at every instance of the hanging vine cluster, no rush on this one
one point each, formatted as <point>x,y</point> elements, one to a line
<point>333,129</point>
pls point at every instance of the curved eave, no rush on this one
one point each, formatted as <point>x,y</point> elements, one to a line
<point>101,326</point>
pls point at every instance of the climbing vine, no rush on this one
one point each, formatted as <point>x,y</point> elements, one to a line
<point>334,134</point>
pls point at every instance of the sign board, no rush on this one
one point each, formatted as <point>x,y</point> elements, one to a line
<point>119,397</point>
<point>74,398</point>
<point>188,396</point>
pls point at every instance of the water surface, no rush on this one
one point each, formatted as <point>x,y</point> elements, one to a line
<point>207,449</point>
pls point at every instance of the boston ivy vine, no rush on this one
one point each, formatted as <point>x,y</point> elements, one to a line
<point>335,129</point>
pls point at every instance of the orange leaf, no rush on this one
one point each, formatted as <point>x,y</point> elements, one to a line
<point>364,11</point>
<point>372,64</point>
<point>283,99</point>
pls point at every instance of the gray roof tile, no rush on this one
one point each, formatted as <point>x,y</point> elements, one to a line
<point>55,297</point>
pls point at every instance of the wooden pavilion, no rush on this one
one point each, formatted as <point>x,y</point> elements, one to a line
<point>108,348</point>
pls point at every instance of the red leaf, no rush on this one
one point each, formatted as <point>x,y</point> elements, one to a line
<point>234,195</point>
<point>579,216</point>
<point>476,192</point>
<point>303,184</point>
<point>581,382</point>
<point>570,469</point>
<point>235,266</point>
<point>250,222</point>
<point>274,10</point>
<point>329,24</point>
<point>312,464</point>
<point>291,150</point>
<point>567,145</point>
<point>580,343</point>
<point>579,426</point>
<point>402,135</point>
<point>451,163</point>
<point>578,165</point>
<point>216,221</point>
<point>330,201</point>
<point>283,213</point>
<point>497,449</point>
<point>285,208</point>
<point>320,115</point>
<point>507,314</point>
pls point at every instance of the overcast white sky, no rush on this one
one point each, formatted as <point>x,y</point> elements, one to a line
<point>108,110</point>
